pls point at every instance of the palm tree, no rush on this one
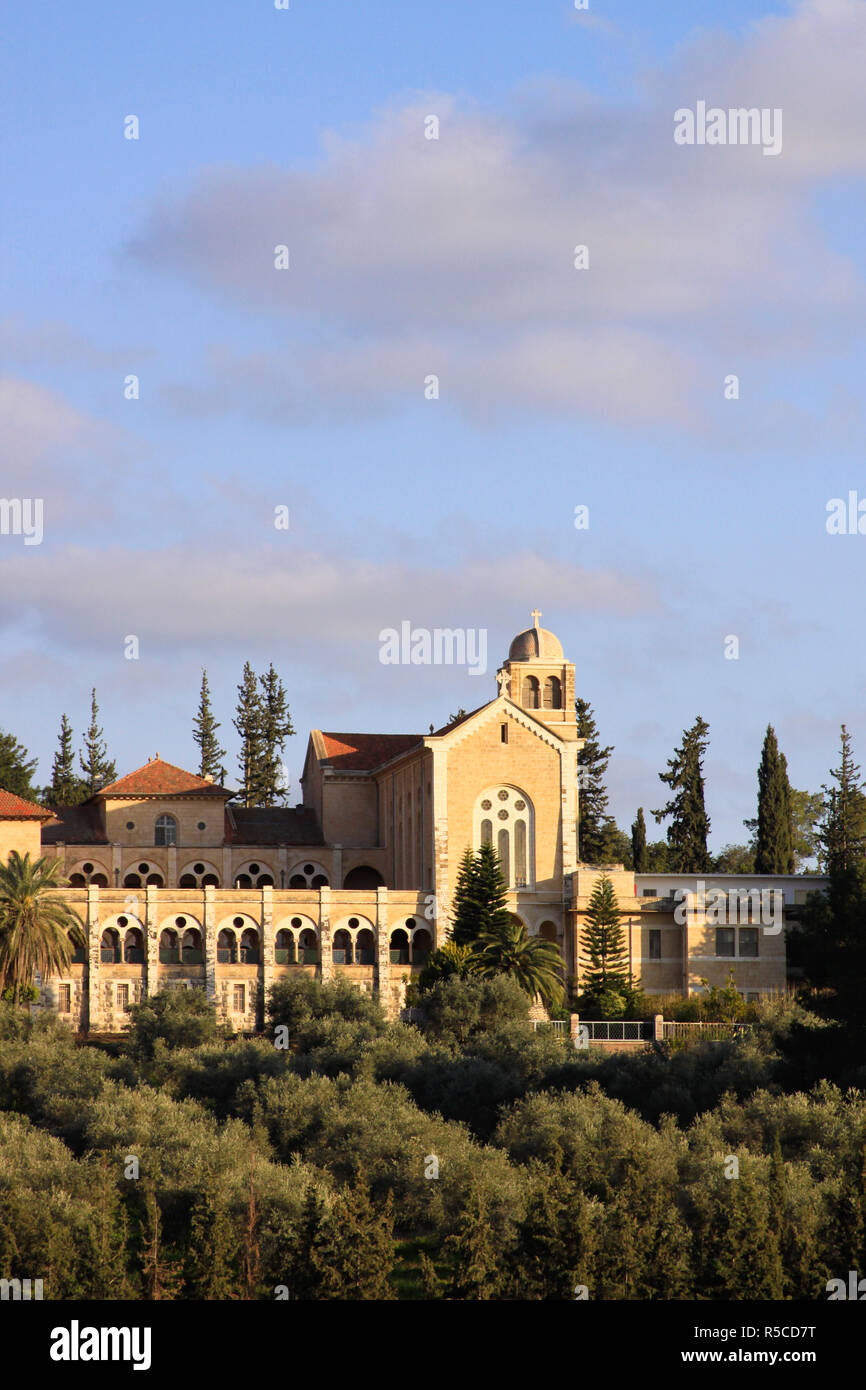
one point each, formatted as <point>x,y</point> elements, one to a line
<point>536,965</point>
<point>37,928</point>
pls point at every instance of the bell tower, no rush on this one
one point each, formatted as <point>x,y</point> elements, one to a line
<point>537,676</point>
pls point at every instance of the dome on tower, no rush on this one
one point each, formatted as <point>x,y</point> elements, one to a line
<point>536,644</point>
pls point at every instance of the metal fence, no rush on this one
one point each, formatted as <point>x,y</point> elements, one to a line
<point>631,1030</point>
<point>706,1032</point>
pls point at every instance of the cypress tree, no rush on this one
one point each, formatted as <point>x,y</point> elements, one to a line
<point>67,788</point>
<point>638,843</point>
<point>602,943</point>
<point>276,727</point>
<point>592,761</point>
<point>690,824</point>
<point>16,771</point>
<point>205,735</point>
<point>774,851</point>
<point>248,722</point>
<point>465,910</point>
<point>99,770</point>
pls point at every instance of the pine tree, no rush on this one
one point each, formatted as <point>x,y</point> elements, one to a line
<point>205,735</point>
<point>602,944</point>
<point>690,824</point>
<point>211,1266</point>
<point>843,829</point>
<point>774,851</point>
<point>276,727</point>
<point>475,1252</point>
<point>592,761</point>
<point>98,769</point>
<point>67,788</point>
<point>638,843</point>
<point>16,771</point>
<point>248,722</point>
<point>479,906</point>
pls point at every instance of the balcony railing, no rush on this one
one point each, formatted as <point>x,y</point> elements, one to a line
<point>110,955</point>
<point>134,955</point>
<point>400,957</point>
<point>365,957</point>
<point>192,956</point>
<point>169,956</point>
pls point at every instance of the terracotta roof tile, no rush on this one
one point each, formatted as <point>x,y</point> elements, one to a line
<point>159,778</point>
<point>364,752</point>
<point>14,807</point>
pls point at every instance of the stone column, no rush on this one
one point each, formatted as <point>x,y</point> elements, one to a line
<point>94,946</point>
<point>151,939</point>
<point>383,950</point>
<point>658,1028</point>
<point>209,943</point>
<point>326,968</point>
<point>266,970</point>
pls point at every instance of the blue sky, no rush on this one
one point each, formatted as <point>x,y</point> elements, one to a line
<point>454,256</point>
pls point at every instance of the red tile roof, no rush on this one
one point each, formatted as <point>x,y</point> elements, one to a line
<point>446,728</point>
<point>159,778</point>
<point>14,807</point>
<point>363,752</point>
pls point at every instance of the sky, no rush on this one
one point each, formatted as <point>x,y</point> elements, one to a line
<point>410,258</point>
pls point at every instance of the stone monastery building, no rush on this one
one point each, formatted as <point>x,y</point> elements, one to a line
<point>177,884</point>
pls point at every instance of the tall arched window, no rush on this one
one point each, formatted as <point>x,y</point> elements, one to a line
<point>503,817</point>
<point>531,693</point>
<point>165,831</point>
<point>552,693</point>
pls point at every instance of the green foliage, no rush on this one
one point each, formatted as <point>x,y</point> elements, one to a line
<point>299,1001</point>
<point>638,843</point>
<point>37,925</point>
<point>592,762</point>
<point>16,770</point>
<point>205,726</point>
<point>604,975</point>
<point>447,960</point>
<point>458,1009</point>
<point>99,770</point>
<point>774,841</point>
<point>690,824</point>
<point>734,859</point>
<point>263,723</point>
<point>479,906</point>
<point>67,788</point>
<point>535,964</point>
<point>173,1018</point>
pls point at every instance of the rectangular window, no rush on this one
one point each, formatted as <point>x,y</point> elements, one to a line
<point>650,892</point>
<point>239,1004</point>
<point>724,941</point>
<point>748,941</point>
<point>123,998</point>
<point>503,733</point>
<point>64,1003</point>
<point>655,943</point>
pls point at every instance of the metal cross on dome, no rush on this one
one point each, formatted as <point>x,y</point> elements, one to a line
<point>535,615</point>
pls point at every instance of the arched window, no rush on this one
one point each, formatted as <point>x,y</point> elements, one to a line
<point>227,947</point>
<point>110,948</point>
<point>362,877</point>
<point>503,817</point>
<point>284,953</point>
<point>191,952</point>
<point>365,947</point>
<point>250,946</point>
<point>552,693</point>
<point>133,947</point>
<point>342,948</point>
<point>531,693</point>
<point>165,831</point>
<point>422,945</point>
<point>169,950</point>
<point>399,947</point>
